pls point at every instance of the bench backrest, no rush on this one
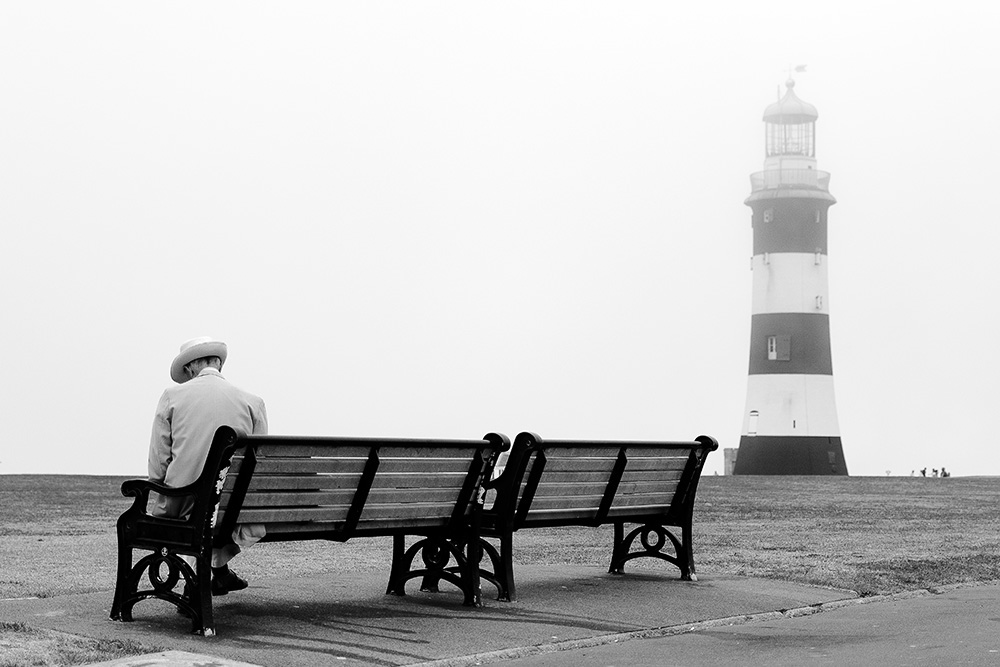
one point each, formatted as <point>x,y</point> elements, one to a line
<point>337,488</point>
<point>569,482</point>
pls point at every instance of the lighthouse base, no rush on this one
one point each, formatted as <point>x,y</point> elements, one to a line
<point>790,455</point>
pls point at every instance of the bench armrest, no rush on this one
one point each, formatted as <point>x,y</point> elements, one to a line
<point>140,488</point>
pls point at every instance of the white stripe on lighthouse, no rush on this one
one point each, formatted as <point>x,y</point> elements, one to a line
<point>790,282</point>
<point>790,405</point>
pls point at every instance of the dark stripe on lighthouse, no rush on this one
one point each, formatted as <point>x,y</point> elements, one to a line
<point>807,336</point>
<point>790,455</point>
<point>792,225</point>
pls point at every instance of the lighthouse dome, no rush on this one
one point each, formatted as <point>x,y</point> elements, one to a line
<point>790,110</point>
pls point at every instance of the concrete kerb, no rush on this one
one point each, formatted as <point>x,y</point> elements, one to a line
<point>684,628</point>
<point>172,659</point>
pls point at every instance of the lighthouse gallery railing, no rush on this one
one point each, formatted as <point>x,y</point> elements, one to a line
<point>787,178</point>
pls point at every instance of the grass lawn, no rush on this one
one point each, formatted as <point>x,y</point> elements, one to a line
<point>872,535</point>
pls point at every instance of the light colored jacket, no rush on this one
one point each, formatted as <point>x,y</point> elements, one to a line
<point>187,417</point>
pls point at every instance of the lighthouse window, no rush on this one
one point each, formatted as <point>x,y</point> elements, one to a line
<point>779,348</point>
<point>768,214</point>
<point>793,139</point>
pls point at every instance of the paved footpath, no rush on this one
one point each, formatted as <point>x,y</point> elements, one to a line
<point>565,616</point>
<point>951,626</point>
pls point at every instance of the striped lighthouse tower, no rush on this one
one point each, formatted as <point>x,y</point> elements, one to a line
<point>790,422</point>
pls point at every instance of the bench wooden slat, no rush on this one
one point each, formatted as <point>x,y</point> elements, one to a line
<point>629,487</point>
<point>430,513</point>
<point>545,503</point>
<point>667,472</point>
<point>426,466</point>
<point>612,454</point>
<point>667,492</point>
<point>652,476</point>
<point>267,515</point>
<point>556,447</point>
<point>610,450</point>
<point>576,477</point>
<point>677,463</point>
<point>680,451</point>
<point>581,463</point>
<point>578,515</point>
<point>331,464</point>
<point>592,501</point>
<point>268,446</point>
<point>409,480</point>
<point>339,481</point>
<point>271,482</point>
<point>596,477</point>
<point>657,511</point>
<point>317,466</point>
<point>606,464</point>
<point>344,497</point>
<point>283,531</point>
<point>565,515</point>
<point>291,449</point>
<point>661,498</point>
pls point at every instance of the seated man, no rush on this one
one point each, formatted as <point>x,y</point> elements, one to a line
<point>187,417</point>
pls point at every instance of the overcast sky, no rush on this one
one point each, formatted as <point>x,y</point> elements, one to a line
<point>425,219</point>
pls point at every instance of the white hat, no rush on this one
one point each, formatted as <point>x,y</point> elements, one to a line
<point>196,348</point>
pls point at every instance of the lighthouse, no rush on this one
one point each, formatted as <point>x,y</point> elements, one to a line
<point>790,421</point>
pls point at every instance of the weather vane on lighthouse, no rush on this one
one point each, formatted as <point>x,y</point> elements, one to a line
<point>790,422</point>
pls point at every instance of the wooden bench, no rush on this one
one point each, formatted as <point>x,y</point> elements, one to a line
<point>547,483</point>
<point>304,488</point>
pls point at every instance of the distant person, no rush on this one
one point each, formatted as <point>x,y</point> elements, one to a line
<point>945,473</point>
<point>923,472</point>
<point>187,417</point>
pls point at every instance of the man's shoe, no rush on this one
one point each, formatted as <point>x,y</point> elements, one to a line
<point>225,580</point>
